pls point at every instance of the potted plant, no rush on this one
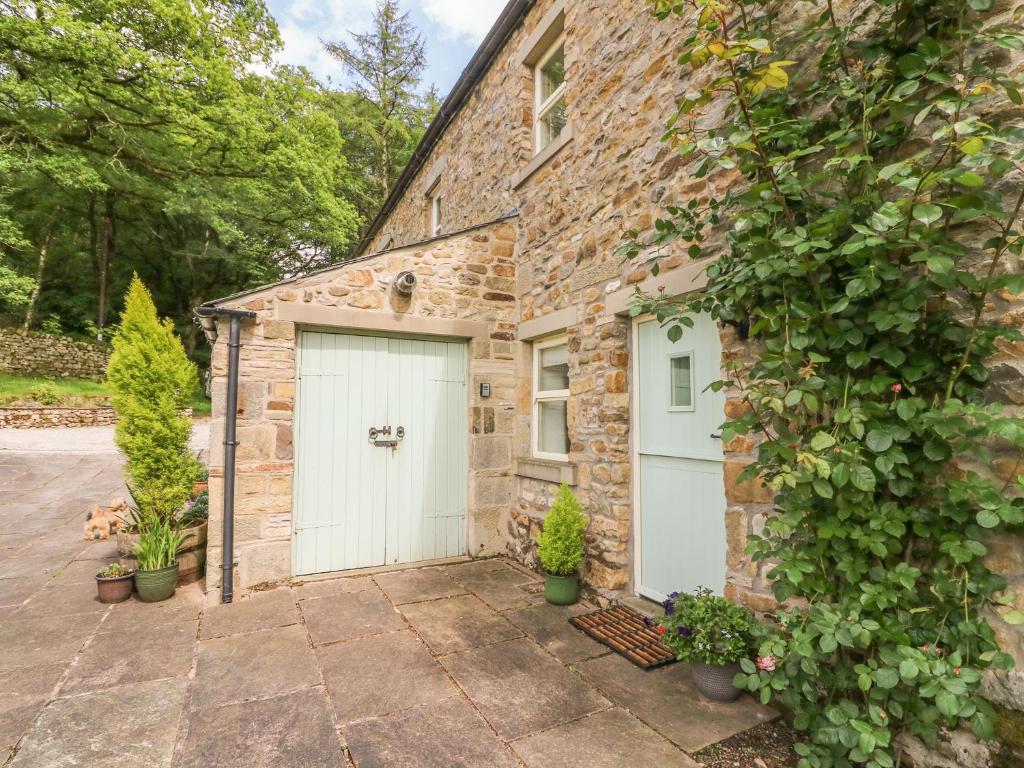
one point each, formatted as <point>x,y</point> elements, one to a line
<point>192,523</point>
<point>561,548</point>
<point>157,553</point>
<point>713,635</point>
<point>114,583</point>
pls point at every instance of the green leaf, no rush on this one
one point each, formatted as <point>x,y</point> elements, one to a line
<point>940,265</point>
<point>988,519</point>
<point>887,677</point>
<point>911,65</point>
<point>972,180</point>
<point>947,703</point>
<point>908,670</point>
<point>878,441</point>
<point>862,478</point>
<point>927,213</point>
<point>823,488</point>
<point>980,5</point>
<point>822,441</point>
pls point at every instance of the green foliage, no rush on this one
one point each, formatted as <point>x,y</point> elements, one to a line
<point>158,545</point>
<point>705,627</point>
<point>152,381</point>
<point>45,394</point>
<point>113,571</point>
<point>384,116</point>
<point>197,511</point>
<point>562,543</point>
<point>156,137</point>
<point>873,199</point>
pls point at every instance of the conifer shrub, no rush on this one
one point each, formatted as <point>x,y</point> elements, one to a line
<point>152,379</point>
<point>562,544</point>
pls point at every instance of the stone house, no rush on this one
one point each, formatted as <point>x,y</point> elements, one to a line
<point>512,365</point>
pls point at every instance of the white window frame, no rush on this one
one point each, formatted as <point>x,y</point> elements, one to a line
<point>693,395</point>
<point>542,107</point>
<point>435,212</point>
<point>552,395</point>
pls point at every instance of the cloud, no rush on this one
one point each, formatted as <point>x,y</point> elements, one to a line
<point>469,21</point>
<point>304,23</point>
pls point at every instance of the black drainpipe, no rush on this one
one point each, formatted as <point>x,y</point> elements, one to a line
<point>230,431</point>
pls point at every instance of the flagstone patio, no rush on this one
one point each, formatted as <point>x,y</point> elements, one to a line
<point>461,664</point>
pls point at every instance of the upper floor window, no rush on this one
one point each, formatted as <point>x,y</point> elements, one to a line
<point>436,222</point>
<point>549,105</point>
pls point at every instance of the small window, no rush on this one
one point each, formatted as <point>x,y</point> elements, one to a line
<point>549,79</point>
<point>681,382</point>
<point>551,398</point>
<point>435,214</point>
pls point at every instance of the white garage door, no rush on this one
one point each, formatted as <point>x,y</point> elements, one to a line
<point>682,498</point>
<point>359,502</point>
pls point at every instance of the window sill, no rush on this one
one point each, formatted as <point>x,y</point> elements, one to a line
<point>546,470</point>
<point>541,158</point>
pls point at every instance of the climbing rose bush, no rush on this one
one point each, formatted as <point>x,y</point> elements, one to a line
<point>867,225</point>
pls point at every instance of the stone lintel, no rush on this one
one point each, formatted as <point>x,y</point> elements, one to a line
<point>383,321</point>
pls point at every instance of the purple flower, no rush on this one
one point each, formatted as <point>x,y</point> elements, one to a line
<point>647,621</point>
<point>685,632</point>
<point>669,606</point>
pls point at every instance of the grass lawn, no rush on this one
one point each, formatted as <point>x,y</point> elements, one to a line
<point>78,393</point>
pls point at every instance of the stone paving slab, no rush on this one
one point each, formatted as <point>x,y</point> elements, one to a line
<point>521,689</point>
<point>549,625</point>
<point>253,666</point>
<point>185,606</point>
<point>308,590</point>
<point>126,727</point>
<point>57,599</point>
<point>348,616</point>
<point>448,734</point>
<point>146,652</point>
<point>667,700</point>
<point>502,590</point>
<point>378,675</point>
<point>458,623</point>
<point>23,694</point>
<point>262,610</point>
<point>418,584</point>
<point>609,739</point>
<point>290,731</point>
<point>42,640</point>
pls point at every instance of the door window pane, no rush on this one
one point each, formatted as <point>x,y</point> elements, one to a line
<point>554,369</point>
<point>553,432</point>
<point>681,382</point>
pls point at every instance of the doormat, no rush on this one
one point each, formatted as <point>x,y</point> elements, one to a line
<point>625,632</point>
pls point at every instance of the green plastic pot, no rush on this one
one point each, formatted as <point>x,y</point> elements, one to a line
<point>154,586</point>
<point>561,590</point>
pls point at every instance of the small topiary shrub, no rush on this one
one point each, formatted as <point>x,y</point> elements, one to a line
<point>562,543</point>
<point>152,381</point>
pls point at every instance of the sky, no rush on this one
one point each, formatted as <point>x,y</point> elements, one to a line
<point>452,30</point>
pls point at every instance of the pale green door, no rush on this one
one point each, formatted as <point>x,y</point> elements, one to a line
<point>681,519</point>
<point>361,504</point>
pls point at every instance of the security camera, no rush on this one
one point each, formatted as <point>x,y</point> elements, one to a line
<point>404,283</point>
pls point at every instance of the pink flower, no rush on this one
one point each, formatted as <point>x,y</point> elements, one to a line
<point>896,388</point>
<point>766,663</point>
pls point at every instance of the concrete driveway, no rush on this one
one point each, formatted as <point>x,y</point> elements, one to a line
<point>461,664</point>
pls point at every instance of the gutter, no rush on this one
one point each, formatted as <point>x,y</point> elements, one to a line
<point>208,318</point>
<point>507,22</point>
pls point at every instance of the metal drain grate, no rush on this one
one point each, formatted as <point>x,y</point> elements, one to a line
<point>624,631</point>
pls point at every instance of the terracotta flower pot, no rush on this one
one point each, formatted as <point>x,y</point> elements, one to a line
<point>561,590</point>
<point>154,586</point>
<point>715,682</point>
<point>114,589</point>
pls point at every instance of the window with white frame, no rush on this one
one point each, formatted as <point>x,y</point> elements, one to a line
<point>549,103</point>
<point>550,399</point>
<point>435,213</point>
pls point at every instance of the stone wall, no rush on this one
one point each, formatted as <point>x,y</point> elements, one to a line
<point>464,281</point>
<point>32,417</point>
<point>41,354</point>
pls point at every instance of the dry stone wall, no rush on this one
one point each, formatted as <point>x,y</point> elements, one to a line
<point>41,354</point>
<point>32,417</point>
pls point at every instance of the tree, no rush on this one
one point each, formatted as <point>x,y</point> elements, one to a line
<point>152,382</point>
<point>384,116</point>
<point>169,155</point>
